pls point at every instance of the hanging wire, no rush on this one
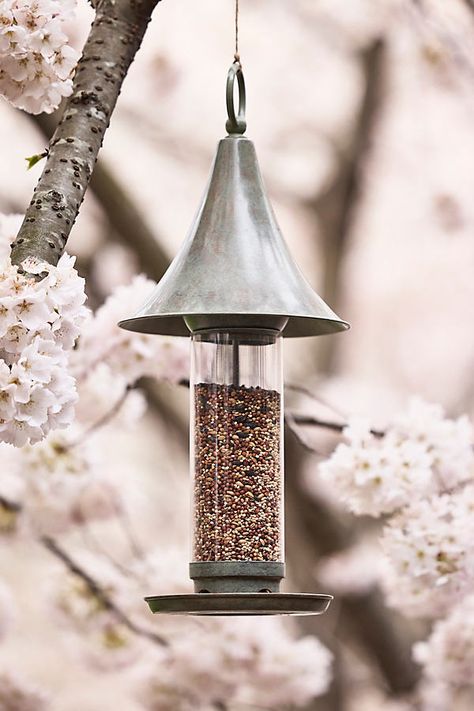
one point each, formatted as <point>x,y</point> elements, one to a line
<point>236,123</point>
<point>237,54</point>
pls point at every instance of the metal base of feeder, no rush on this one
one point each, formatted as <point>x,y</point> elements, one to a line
<point>239,604</point>
<point>236,576</point>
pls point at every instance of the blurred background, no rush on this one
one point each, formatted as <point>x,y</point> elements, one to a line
<point>362,117</point>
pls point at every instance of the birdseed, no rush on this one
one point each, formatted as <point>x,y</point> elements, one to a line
<point>237,485</point>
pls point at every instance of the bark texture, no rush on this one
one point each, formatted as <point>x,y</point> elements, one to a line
<point>114,39</point>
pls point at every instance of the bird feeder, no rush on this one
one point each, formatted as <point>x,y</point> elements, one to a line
<point>236,291</point>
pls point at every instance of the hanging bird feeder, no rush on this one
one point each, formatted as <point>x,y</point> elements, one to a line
<point>235,289</point>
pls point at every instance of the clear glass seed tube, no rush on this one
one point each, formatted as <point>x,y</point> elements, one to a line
<point>236,445</point>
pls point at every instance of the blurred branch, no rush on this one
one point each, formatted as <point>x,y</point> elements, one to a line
<point>374,627</point>
<point>114,39</point>
<point>92,585</point>
<point>106,418</point>
<point>98,592</point>
<point>336,206</point>
<point>10,505</point>
<point>121,211</point>
<point>308,420</point>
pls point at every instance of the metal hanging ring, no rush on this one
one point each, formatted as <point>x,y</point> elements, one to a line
<point>235,124</point>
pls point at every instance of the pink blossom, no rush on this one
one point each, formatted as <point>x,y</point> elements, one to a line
<point>448,654</point>
<point>36,61</point>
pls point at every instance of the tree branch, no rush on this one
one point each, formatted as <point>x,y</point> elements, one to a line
<point>469,4</point>
<point>309,420</point>
<point>336,206</point>
<point>102,421</point>
<point>114,39</point>
<point>92,585</point>
<point>120,210</point>
<point>95,589</point>
<point>9,505</point>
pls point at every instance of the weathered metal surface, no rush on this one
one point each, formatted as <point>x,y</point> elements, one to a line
<point>240,604</point>
<point>234,268</point>
<point>236,122</point>
<point>236,576</point>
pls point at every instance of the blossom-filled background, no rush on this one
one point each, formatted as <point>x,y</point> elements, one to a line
<point>362,117</point>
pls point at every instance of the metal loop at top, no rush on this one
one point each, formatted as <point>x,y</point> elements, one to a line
<point>235,124</point>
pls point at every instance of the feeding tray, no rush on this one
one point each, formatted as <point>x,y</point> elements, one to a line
<point>240,604</point>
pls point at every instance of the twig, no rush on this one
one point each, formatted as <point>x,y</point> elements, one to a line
<point>102,421</point>
<point>298,388</point>
<point>94,545</point>
<point>9,505</point>
<point>310,421</point>
<point>94,587</point>
<point>126,526</point>
<point>290,421</point>
<point>114,39</point>
<point>53,547</point>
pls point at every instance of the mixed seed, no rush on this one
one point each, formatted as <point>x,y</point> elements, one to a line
<point>237,486</point>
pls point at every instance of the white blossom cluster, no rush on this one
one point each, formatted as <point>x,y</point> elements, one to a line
<point>448,654</point>
<point>39,324</point>
<point>429,549</point>
<point>259,665</point>
<point>63,486</point>
<point>421,454</point>
<point>36,61</point>
<point>130,356</point>
<point>374,475</point>
<point>60,483</point>
<point>447,442</point>
<point>421,471</point>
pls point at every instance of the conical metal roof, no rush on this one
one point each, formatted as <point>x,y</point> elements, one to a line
<point>234,269</point>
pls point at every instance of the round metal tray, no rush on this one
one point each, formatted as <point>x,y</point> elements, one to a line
<point>240,604</point>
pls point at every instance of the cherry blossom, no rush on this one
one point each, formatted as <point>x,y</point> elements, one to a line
<point>131,355</point>
<point>429,549</point>
<point>40,322</point>
<point>374,475</point>
<point>259,663</point>
<point>448,442</point>
<point>448,654</point>
<point>36,61</point>
<point>63,484</point>
<point>423,452</point>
